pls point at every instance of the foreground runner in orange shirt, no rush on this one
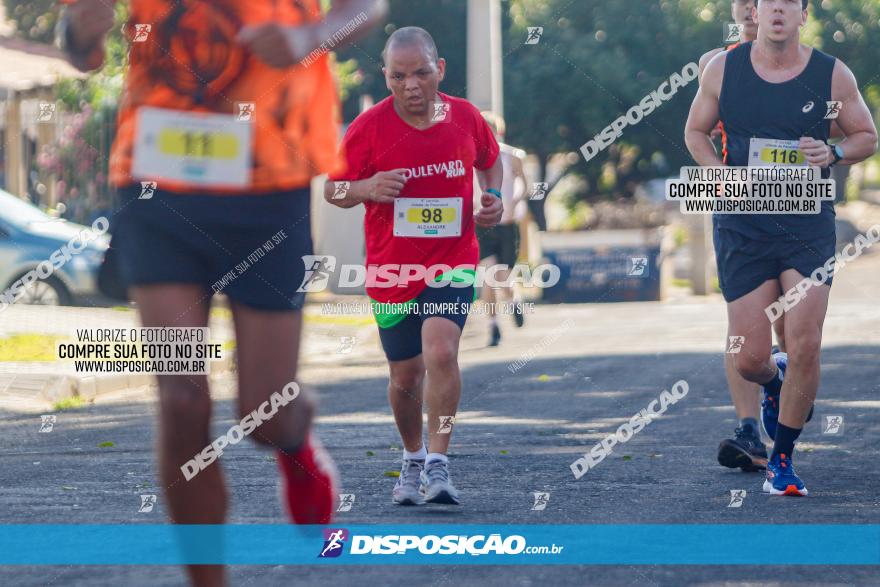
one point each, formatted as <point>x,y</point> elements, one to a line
<point>229,109</point>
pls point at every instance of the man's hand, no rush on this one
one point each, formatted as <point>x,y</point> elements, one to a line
<point>817,153</point>
<point>385,186</point>
<point>490,210</point>
<point>277,45</point>
<point>88,22</point>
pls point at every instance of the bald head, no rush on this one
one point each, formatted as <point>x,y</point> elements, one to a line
<point>411,36</point>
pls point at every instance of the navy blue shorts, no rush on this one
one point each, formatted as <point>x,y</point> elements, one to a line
<point>404,340</point>
<point>745,263</point>
<point>249,247</point>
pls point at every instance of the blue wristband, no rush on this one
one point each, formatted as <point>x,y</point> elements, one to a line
<point>493,192</point>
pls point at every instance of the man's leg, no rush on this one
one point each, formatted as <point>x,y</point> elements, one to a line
<point>803,330</point>
<point>402,344</point>
<point>803,326</point>
<point>440,338</point>
<point>510,256</point>
<point>268,354</point>
<point>405,396</point>
<point>746,395</point>
<point>746,318</point>
<point>497,295</point>
<point>490,249</point>
<point>745,450</point>
<point>779,330</point>
<point>185,419</point>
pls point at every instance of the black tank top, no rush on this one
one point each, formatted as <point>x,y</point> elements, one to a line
<point>751,107</point>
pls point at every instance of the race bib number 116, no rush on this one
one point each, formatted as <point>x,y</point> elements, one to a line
<point>763,152</point>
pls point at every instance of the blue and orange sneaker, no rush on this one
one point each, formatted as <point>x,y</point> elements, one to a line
<point>781,478</point>
<point>770,403</point>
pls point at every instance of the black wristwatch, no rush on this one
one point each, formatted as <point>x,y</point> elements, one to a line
<point>837,152</point>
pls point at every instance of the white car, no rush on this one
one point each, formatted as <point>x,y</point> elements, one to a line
<point>29,237</point>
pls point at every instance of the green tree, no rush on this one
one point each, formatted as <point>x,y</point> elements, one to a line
<point>34,19</point>
<point>444,19</point>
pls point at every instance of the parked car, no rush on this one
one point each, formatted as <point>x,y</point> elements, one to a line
<point>29,237</point>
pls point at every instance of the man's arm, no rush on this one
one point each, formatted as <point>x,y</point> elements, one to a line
<point>854,120</point>
<point>282,46</point>
<point>383,187</point>
<point>83,28</point>
<point>707,57</point>
<point>704,114</point>
<point>518,170</point>
<point>491,206</point>
<point>490,179</point>
<point>369,13</point>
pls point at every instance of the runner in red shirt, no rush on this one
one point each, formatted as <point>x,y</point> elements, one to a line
<point>411,160</point>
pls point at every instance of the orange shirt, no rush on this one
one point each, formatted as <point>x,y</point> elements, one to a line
<point>189,60</point>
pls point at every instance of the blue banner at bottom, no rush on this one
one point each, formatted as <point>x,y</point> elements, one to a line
<point>650,544</point>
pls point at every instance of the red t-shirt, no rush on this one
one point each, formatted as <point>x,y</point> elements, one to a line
<point>440,161</point>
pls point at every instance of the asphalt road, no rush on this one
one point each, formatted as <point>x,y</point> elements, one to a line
<point>594,366</point>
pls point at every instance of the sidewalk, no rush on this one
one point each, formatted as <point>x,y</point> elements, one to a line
<point>334,335</point>
<point>331,338</point>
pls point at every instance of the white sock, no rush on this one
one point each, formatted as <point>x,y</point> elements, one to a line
<point>419,455</point>
<point>437,456</point>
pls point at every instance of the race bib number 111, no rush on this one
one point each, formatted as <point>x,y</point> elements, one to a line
<point>199,149</point>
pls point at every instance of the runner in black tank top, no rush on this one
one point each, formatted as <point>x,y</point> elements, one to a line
<point>752,108</point>
<point>774,95</point>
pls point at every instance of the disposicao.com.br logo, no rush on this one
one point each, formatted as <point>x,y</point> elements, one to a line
<point>450,544</point>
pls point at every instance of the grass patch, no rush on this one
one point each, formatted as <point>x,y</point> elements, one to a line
<point>68,403</point>
<point>337,320</point>
<point>677,282</point>
<point>28,347</point>
<point>680,236</point>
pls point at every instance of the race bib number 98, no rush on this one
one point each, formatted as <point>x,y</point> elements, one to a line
<point>427,217</point>
<point>764,152</point>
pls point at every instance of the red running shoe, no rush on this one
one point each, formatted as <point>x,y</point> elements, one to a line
<point>309,482</point>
